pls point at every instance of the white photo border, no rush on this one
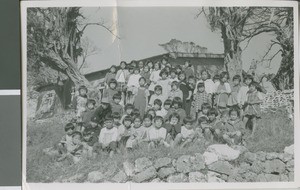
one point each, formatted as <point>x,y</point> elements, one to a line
<point>159,3</point>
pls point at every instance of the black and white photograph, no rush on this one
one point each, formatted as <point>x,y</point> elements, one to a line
<point>160,94</point>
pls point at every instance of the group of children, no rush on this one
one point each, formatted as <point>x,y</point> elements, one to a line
<point>159,104</point>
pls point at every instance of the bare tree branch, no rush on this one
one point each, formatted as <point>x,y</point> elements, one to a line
<point>101,25</point>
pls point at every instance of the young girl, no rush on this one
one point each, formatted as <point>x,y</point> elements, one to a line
<point>122,77</point>
<point>141,97</point>
<point>223,92</point>
<point>128,111</point>
<point>111,74</point>
<point>177,107</point>
<point>204,110</point>
<point>188,133</point>
<point>157,134</point>
<point>252,109</point>
<point>188,69</point>
<point>81,101</point>
<point>133,85</point>
<point>173,130</point>
<point>184,87</point>
<point>154,77</point>
<point>208,83</point>
<point>175,91</point>
<point>200,98</point>
<point>146,74</point>
<point>138,134</point>
<point>235,88</point>
<point>141,65</point>
<point>150,65</point>
<point>158,95</point>
<point>164,83</point>
<point>173,75</point>
<point>124,132</point>
<point>111,90</point>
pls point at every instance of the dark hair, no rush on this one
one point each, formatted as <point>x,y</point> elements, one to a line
<point>77,133</point>
<point>123,62</point>
<point>177,100</point>
<point>151,109</point>
<point>205,105</point>
<point>158,117</point>
<point>87,132</point>
<point>129,106</point>
<point>234,109</point>
<point>127,118</point>
<point>236,77</point>
<point>168,102</point>
<point>149,116</point>
<point>202,119</point>
<point>136,69</point>
<point>108,118</point>
<point>164,71</point>
<point>208,74</point>
<point>158,87</point>
<point>117,96</point>
<point>188,119</point>
<point>173,70</point>
<point>142,78</point>
<point>69,126</point>
<point>83,87</point>
<point>91,101</point>
<point>147,63</point>
<point>141,62</point>
<point>191,77</point>
<point>113,66</point>
<point>223,74</point>
<point>116,115</point>
<point>159,64</point>
<point>158,102</point>
<point>182,73</point>
<point>216,77</point>
<point>255,84</point>
<point>200,84</point>
<point>212,111</point>
<point>136,113</point>
<point>189,62</point>
<point>174,115</point>
<point>137,117</point>
<point>248,77</point>
<point>175,83</point>
<point>112,81</point>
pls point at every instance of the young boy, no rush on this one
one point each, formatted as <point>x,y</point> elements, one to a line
<point>93,126</point>
<point>81,100</point>
<point>89,112</point>
<point>138,134</point>
<point>173,130</point>
<point>103,110</point>
<point>66,139</point>
<point>107,138</point>
<point>187,131</point>
<point>88,141</point>
<point>157,134</point>
<point>210,129</point>
<point>128,111</point>
<point>115,105</point>
<point>124,132</point>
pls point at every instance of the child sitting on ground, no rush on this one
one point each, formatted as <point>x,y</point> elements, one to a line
<point>138,134</point>
<point>124,132</point>
<point>88,141</point>
<point>177,107</point>
<point>235,128</point>
<point>103,110</point>
<point>173,128</point>
<point>107,138</point>
<point>67,138</point>
<point>93,125</point>
<point>204,110</point>
<point>115,105</point>
<point>147,122</point>
<point>157,134</point>
<point>188,133</point>
<point>209,130</point>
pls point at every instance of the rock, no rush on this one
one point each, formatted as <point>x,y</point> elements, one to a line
<point>95,177</point>
<point>174,162</point>
<point>261,156</point>
<point>210,158</point>
<point>257,167</point>
<point>272,178</point>
<point>224,177</point>
<point>235,176</point>
<point>177,178</point>
<point>141,164</point>
<point>183,164</point>
<point>243,168</point>
<point>261,178</point>
<point>289,149</point>
<point>272,155</point>
<point>165,172</point>
<point>120,177</point>
<point>285,157</point>
<point>224,152</point>
<point>250,176</point>
<point>145,175</point>
<point>284,178</point>
<point>221,167</point>
<point>240,148</point>
<point>128,168</point>
<point>162,162</point>
<point>290,166</point>
<point>291,176</point>
<point>110,171</point>
<point>74,179</point>
<point>213,177</point>
<point>197,177</point>
<point>250,157</point>
<point>197,162</point>
<point>274,166</point>
<point>156,180</point>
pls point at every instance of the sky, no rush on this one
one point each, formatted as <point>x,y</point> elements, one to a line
<point>141,30</point>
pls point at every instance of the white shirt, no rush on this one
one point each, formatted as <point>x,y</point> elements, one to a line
<point>134,80</point>
<point>242,95</point>
<point>157,134</point>
<point>161,112</point>
<point>108,135</point>
<point>209,85</point>
<point>186,133</point>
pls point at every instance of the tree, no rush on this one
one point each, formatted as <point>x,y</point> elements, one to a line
<point>241,24</point>
<point>88,49</point>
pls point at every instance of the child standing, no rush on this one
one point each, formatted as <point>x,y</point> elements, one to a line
<point>141,98</point>
<point>200,98</point>
<point>208,82</point>
<point>157,134</point>
<point>184,87</point>
<point>81,100</point>
<point>175,91</point>
<point>235,88</point>
<point>133,84</point>
<point>67,138</point>
<point>204,110</point>
<point>189,71</point>
<point>111,74</point>
<point>146,74</point>
<point>89,112</point>
<point>173,75</point>
<point>252,110</point>
<point>115,105</point>
<point>164,83</point>
<point>154,77</point>
<point>111,90</point>
<point>122,77</point>
<point>223,92</point>
<point>103,110</point>
<point>242,95</point>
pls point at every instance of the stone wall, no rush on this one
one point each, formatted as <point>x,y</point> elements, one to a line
<point>219,163</point>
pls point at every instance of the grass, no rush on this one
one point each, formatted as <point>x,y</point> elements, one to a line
<point>275,131</point>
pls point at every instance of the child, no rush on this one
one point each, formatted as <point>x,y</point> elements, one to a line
<point>235,88</point>
<point>184,87</point>
<point>189,71</point>
<point>89,111</point>
<point>81,100</point>
<point>158,95</point>
<point>93,126</point>
<point>151,112</point>
<point>150,65</point>
<point>141,97</point>
<point>103,110</point>
<point>111,74</point>
<point>158,109</point>
<point>177,107</point>
<point>202,124</point>
<point>74,149</point>
<point>107,138</point>
<point>111,90</point>
<point>188,133</point>
<point>157,134</point>
<point>122,75</point>
<point>141,65</point>
<point>242,95</point>
<point>223,92</point>
<point>175,91</point>
<point>147,122</point>
<point>115,105</point>
<point>136,113</point>
<point>164,83</point>
<point>138,134</point>
<point>124,132</point>
<point>154,77</point>
<point>88,141</point>
<point>146,74</point>
<point>208,83</point>
<point>173,130</point>
<point>173,75</point>
<point>66,139</point>
<point>167,104</point>
<point>209,129</point>
<point>204,110</point>
<point>234,127</point>
<point>252,109</point>
<point>133,84</point>
<point>200,98</point>
<point>128,111</point>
